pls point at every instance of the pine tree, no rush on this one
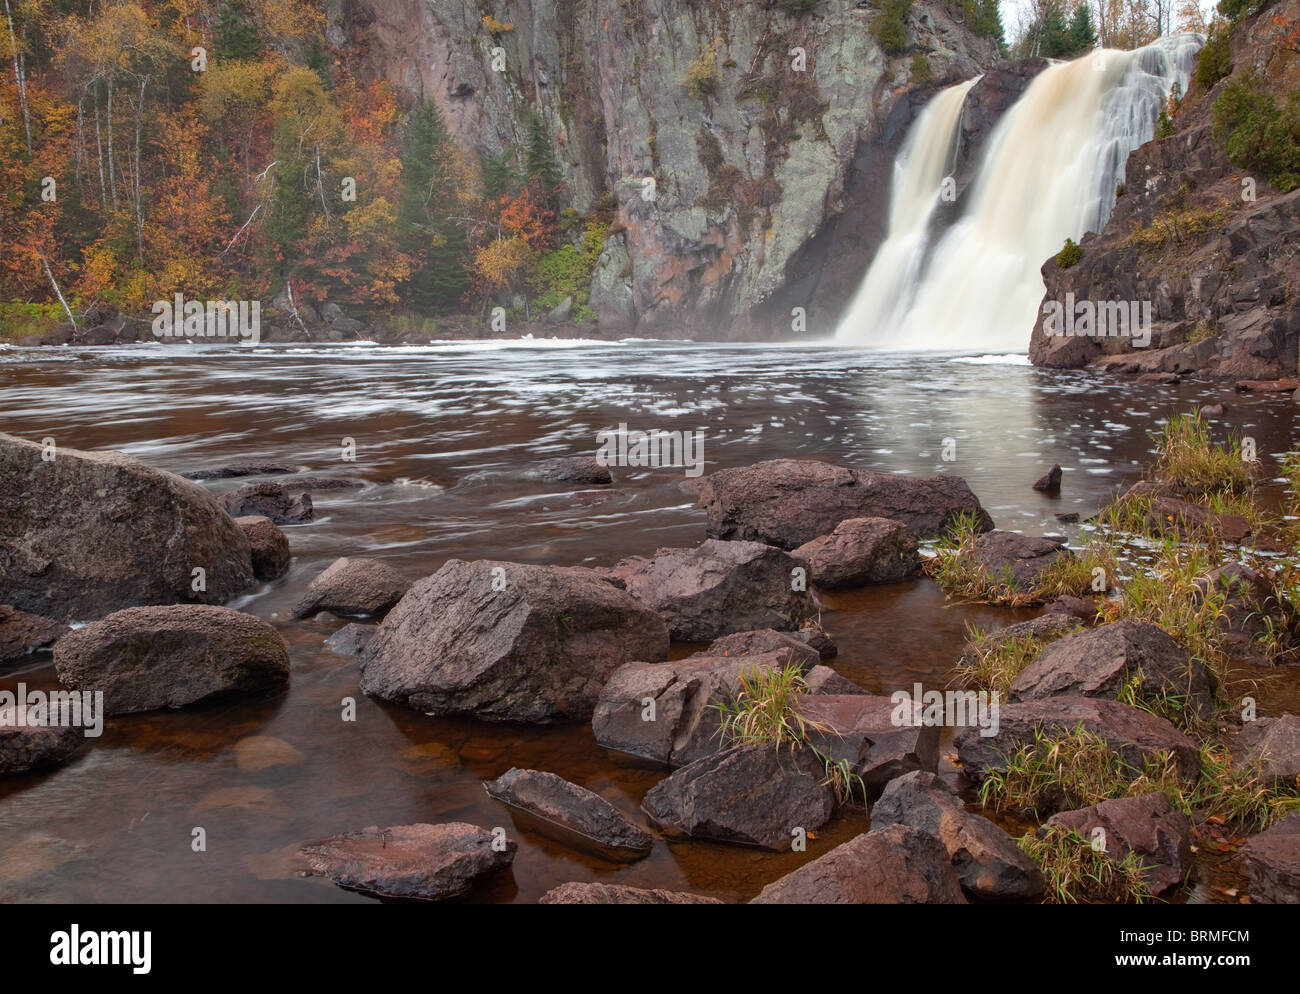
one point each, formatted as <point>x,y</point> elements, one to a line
<point>1082,37</point>
<point>539,159</point>
<point>499,177</point>
<point>438,279</point>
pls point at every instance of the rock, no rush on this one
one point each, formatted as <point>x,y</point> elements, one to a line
<point>1045,627</point>
<point>787,502</point>
<point>144,658</point>
<point>570,469</point>
<point>346,329</point>
<point>1099,662</point>
<point>1051,483</point>
<point>269,544</point>
<point>1016,559</point>
<point>357,587</point>
<point>573,809</point>
<point>757,643</point>
<point>749,795</point>
<point>718,588</point>
<point>1135,734</point>
<point>824,680</point>
<point>685,726</point>
<point>896,865</point>
<point>580,893</point>
<point>22,634</point>
<point>1068,518</point>
<point>861,551</point>
<point>239,469</point>
<point>300,483</point>
<point>1079,608</point>
<point>1164,379</point>
<point>561,313</point>
<point>427,862</point>
<point>812,634</point>
<point>988,862</point>
<point>330,312</point>
<point>1168,514</point>
<point>1147,825</point>
<point>1269,747</point>
<point>26,747</point>
<point>1286,385</point>
<point>1273,861</point>
<point>537,651</point>
<point>270,500</point>
<point>1252,607</point>
<point>350,639</point>
<point>862,730</point>
<point>1212,410</point>
<point>262,752</point>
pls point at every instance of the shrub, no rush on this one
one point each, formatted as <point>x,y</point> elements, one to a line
<point>1215,59</point>
<point>566,272</point>
<point>702,76</point>
<point>1069,255</point>
<point>1256,133</point>
<point>920,68</point>
<point>889,27</point>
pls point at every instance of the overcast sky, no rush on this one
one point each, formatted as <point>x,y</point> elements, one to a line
<point>1010,20</point>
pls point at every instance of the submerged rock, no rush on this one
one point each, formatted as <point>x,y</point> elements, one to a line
<point>1051,482</point>
<point>144,658</point>
<point>1147,825</point>
<point>861,551</point>
<point>26,747</point>
<point>580,893</point>
<point>239,469</point>
<point>353,587</point>
<point>508,642</point>
<point>428,862</point>
<point>270,500</point>
<point>1273,861</point>
<point>22,634</point>
<point>570,469</point>
<point>269,544</point>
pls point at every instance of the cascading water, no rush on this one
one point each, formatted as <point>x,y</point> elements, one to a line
<point>1049,172</point>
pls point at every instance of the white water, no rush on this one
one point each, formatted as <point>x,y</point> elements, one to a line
<point>1049,172</point>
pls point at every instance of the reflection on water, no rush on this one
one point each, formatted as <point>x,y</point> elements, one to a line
<point>115,824</point>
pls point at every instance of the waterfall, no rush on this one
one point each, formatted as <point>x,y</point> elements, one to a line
<point>1049,171</point>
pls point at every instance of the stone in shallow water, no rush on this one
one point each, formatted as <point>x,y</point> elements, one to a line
<point>1270,747</point>
<point>26,747</point>
<point>270,546</point>
<point>1018,559</point>
<point>861,551</point>
<point>1273,861</point>
<point>260,752</point>
<point>350,639</point>
<point>22,634</point>
<point>580,893</point>
<point>269,500</point>
<point>353,587</point>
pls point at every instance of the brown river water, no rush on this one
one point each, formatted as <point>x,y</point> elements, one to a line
<point>115,823</point>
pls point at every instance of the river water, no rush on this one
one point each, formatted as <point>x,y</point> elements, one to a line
<point>115,824</point>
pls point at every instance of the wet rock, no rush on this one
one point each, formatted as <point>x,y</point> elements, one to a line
<point>896,865</point>
<point>813,635</point>
<point>759,642</point>
<point>428,862</point>
<point>572,809</point>
<point>144,658</point>
<point>1273,861</point>
<point>269,544</point>
<point>1068,518</point>
<point>239,469</point>
<point>1252,607</point>
<point>787,502</point>
<point>1135,734</point>
<point>718,588</point>
<point>350,639</point>
<point>1147,825</point>
<point>90,532</point>
<point>861,551</point>
<point>1099,662</point>
<point>1017,559</point>
<point>1165,379</point>
<point>1170,514</point>
<point>1050,483</point>
<point>537,650</point>
<point>301,483</point>
<point>270,500</point>
<point>749,795</point>
<point>1270,748</point>
<point>863,730</point>
<point>580,893</point>
<point>1079,608</point>
<point>824,680</point>
<point>261,752</point>
<point>353,587</point>
<point>26,746</point>
<point>570,469</point>
<point>661,711</point>
<point>22,634</point>
<point>1045,627</point>
<point>1212,410</point>
<point>1285,385</point>
<point>988,862</point>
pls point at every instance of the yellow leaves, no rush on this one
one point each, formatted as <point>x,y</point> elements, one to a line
<point>500,262</point>
<point>372,222</point>
<point>304,114</point>
<point>496,27</point>
<point>235,91</point>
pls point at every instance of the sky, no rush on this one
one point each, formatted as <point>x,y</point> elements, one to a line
<point>1010,19</point>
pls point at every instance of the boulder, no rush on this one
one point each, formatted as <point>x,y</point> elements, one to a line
<point>862,729</point>
<point>580,893</point>
<point>1015,559</point>
<point>824,680</point>
<point>350,639</point>
<point>988,862</point>
<point>1147,825</point>
<point>749,795</point>
<point>424,862</point>
<point>269,544</point>
<point>1135,734</point>
<point>508,642</point>
<point>1051,482</point>
<point>90,532</point>
<point>26,746</point>
<point>1273,861</point>
<point>812,634</point>
<point>1079,608</point>
<point>1099,662</point>
<point>353,587</point>
<point>896,865</point>
<point>1270,747</point>
<point>718,588</point>
<point>270,500</point>
<point>1172,514</point>
<point>787,502</point>
<point>22,634</point>
<point>757,643</point>
<point>1045,627</point>
<point>570,469</point>
<point>573,810</point>
<point>144,658</point>
<point>239,469</point>
<point>861,551</point>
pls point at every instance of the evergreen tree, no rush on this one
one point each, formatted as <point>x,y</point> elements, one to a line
<point>237,35</point>
<point>438,279</point>
<point>499,177</point>
<point>1083,36</point>
<point>539,159</point>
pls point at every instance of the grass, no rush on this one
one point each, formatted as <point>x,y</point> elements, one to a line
<point>1075,872</point>
<point>1189,460</point>
<point>992,663</point>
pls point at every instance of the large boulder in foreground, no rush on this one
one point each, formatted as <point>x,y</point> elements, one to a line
<point>90,532</point>
<point>896,865</point>
<point>749,795</point>
<point>988,862</point>
<point>718,588</point>
<point>362,588</point>
<point>1273,861</point>
<point>23,633</point>
<point>144,658</point>
<point>424,862</point>
<point>861,551</point>
<point>1147,825</point>
<point>28,744</point>
<point>580,893</point>
<point>572,810</point>
<point>1099,662</point>
<point>508,642</point>
<point>787,502</point>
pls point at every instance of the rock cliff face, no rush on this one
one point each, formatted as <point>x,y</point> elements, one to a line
<point>770,187</point>
<point>1220,270</point>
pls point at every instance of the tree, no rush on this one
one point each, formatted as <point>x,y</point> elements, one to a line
<point>432,239</point>
<point>1082,35</point>
<point>539,159</point>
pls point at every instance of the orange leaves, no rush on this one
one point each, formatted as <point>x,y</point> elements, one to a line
<point>499,264</point>
<point>527,217</point>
